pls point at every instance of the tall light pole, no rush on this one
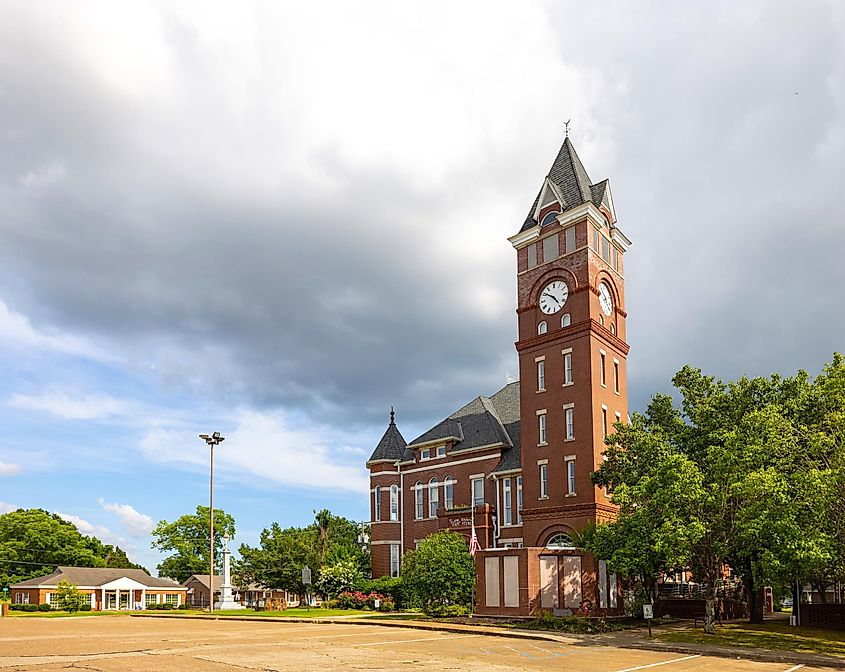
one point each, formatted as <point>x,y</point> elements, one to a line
<point>214,440</point>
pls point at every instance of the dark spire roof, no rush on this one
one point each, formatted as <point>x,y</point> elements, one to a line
<point>392,445</point>
<point>570,177</point>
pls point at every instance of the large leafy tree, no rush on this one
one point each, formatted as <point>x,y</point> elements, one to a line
<point>440,572</point>
<point>278,560</point>
<point>747,474</point>
<point>34,542</point>
<point>188,538</point>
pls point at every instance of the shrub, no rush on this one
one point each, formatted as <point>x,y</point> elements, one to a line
<point>387,586</point>
<point>44,607</point>
<point>363,601</point>
<point>184,607</point>
<point>344,575</point>
<point>69,596</point>
<point>85,607</point>
<point>30,607</point>
<point>387,604</point>
<point>329,604</point>
<point>166,606</point>
<point>440,572</point>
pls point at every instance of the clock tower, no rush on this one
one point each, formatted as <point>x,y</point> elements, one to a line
<point>572,349</point>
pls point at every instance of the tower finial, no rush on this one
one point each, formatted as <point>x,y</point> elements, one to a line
<point>566,126</point>
<point>391,416</point>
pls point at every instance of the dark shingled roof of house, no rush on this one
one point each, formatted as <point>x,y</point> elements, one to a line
<point>484,421</point>
<point>96,576</point>
<point>570,177</point>
<point>392,446</point>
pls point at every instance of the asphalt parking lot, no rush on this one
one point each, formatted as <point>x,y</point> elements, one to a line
<point>113,644</point>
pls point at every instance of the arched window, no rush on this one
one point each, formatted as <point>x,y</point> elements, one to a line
<point>560,540</point>
<point>565,320</point>
<point>433,497</point>
<point>394,502</point>
<point>448,493</point>
<point>612,328</point>
<point>542,328</point>
<point>549,218</point>
<point>418,500</point>
<point>377,497</point>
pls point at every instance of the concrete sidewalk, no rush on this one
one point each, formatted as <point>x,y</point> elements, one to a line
<point>628,639</point>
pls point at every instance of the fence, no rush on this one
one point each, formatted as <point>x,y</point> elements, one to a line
<point>828,616</point>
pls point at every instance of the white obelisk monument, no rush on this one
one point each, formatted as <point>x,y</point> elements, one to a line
<point>226,599</point>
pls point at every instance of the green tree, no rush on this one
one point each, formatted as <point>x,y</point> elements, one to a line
<point>34,542</point>
<point>335,578</point>
<point>68,596</point>
<point>278,560</point>
<point>189,538</point>
<point>440,572</point>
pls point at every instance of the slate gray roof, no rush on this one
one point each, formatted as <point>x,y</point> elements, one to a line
<point>202,579</point>
<point>484,421</point>
<point>96,576</point>
<point>570,177</point>
<point>392,446</point>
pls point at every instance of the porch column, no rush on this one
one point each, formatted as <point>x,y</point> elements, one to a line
<point>143,598</point>
<point>117,598</point>
<point>103,603</point>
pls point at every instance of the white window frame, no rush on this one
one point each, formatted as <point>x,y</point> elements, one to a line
<point>603,367</point>
<point>567,366</point>
<point>542,328</point>
<point>604,420</point>
<point>569,416</point>
<point>418,500</point>
<point>519,500</point>
<point>507,504</point>
<point>616,375</point>
<point>541,426</point>
<point>479,483</point>
<point>544,480</point>
<point>394,560</point>
<point>541,376</point>
<point>441,451</point>
<point>394,502</point>
<point>433,497</point>
<point>377,498</point>
<point>569,461</point>
<point>565,320</point>
<point>448,493</point>
<point>425,454</point>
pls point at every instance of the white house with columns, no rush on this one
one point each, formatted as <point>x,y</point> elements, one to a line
<point>104,588</point>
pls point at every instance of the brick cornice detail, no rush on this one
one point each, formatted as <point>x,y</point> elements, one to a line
<point>596,509</point>
<point>573,330</point>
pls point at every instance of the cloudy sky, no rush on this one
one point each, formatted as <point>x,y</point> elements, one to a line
<point>275,220</point>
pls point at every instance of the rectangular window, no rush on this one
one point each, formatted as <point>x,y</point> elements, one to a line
<point>151,599</point>
<point>604,421</point>
<point>418,501</point>
<point>595,240</point>
<point>615,259</point>
<point>541,376</point>
<point>570,476</point>
<point>394,560</point>
<point>506,501</point>
<point>542,420</point>
<point>441,451</point>
<point>544,481</point>
<point>448,494</point>
<point>425,453</point>
<point>394,502</point>
<point>170,598</point>
<point>570,423</point>
<point>477,491</point>
<point>377,498</point>
<point>567,368</point>
<point>570,239</point>
<point>519,500</point>
<point>433,498</point>
<point>550,248</point>
<point>532,255</point>
<point>602,369</point>
<point>616,376</point>
<point>605,249</point>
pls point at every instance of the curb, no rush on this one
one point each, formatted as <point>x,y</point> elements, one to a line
<point>759,655</point>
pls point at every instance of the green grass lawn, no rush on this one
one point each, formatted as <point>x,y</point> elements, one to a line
<point>62,614</point>
<point>296,612</point>
<point>773,636</point>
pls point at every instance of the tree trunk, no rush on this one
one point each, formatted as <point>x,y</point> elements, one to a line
<point>709,607</point>
<point>756,605</point>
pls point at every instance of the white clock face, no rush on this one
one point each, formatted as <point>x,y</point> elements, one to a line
<point>553,297</point>
<point>605,299</point>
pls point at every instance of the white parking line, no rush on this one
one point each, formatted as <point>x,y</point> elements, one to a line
<point>663,662</point>
<point>796,667</point>
<point>421,639</point>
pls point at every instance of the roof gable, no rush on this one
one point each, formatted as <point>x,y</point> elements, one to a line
<point>390,448</point>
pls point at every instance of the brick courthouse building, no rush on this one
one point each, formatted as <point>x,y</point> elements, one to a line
<point>520,460</point>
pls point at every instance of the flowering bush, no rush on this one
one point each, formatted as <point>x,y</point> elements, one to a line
<point>365,601</point>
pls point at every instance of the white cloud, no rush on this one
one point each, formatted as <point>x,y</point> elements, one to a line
<point>5,507</point>
<point>9,469</point>
<point>16,328</point>
<point>265,445</point>
<point>61,404</point>
<point>136,523</point>
<point>102,532</point>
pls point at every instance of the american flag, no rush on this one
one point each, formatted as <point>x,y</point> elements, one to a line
<point>474,546</point>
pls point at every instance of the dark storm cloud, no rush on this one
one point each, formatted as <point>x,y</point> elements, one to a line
<point>209,247</point>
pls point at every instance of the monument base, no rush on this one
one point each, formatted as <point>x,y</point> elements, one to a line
<point>228,604</point>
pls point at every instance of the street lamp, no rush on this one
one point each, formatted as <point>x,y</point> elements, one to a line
<point>214,440</point>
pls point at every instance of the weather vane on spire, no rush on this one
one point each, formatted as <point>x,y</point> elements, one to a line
<point>391,415</point>
<point>566,126</point>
